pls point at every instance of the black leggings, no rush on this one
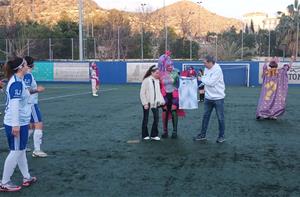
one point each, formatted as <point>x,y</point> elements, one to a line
<point>154,130</point>
<point>173,112</point>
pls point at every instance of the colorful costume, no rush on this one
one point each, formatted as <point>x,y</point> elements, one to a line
<point>274,91</point>
<point>94,72</point>
<point>169,88</point>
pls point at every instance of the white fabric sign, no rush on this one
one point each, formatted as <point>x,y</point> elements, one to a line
<point>188,92</point>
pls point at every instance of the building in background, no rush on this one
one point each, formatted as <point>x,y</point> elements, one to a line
<point>260,20</point>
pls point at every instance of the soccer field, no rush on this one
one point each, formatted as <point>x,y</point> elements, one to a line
<point>86,139</point>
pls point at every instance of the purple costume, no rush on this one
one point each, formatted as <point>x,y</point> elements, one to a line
<point>273,93</point>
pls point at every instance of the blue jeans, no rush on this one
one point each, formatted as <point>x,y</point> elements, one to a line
<point>209,105</point>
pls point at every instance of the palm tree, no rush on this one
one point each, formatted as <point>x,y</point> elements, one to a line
<point>288,28</point>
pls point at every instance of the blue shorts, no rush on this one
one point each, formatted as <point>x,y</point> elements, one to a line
<point>36,115</point>
<point>17,143</point>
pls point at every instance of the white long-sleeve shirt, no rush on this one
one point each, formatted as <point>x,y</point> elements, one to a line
<point>214,83</point>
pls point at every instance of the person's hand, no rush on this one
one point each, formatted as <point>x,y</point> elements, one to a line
<point>16,131</point>
<point>146,107</point>
<point>199,78</point>
<point>40,89</point>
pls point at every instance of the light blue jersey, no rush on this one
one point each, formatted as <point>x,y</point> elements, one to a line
<point>31,85</point>
<point>18,109</point>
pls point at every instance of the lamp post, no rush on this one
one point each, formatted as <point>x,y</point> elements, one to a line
<point>191,41</point>
<point>142,31</point>
<point>199,3</point>
<point>80,8</point>
<point>216,46</point>
<point>243,29</point>
<point>269,49</point>
<point>166,28</point>
<point>200,30</point>
<point>297,42</point>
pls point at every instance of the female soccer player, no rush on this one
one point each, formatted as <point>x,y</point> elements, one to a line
<point>16,122</point>
<point>274,90</point>
<point>94,79</point>
<point>36,126</point>
<point>151,98</point>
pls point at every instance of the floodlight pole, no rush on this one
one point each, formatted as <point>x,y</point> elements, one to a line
<point>80,8</point>
<point>166,28</point>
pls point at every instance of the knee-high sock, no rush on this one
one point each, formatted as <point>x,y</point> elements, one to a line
<point>174,120</point>
<point>37,139</point>
<point>23,165</point>
<point>10,165</point>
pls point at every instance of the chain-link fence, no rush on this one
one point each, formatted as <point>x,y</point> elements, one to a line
<point>95,48</point>
<point>51,48</point>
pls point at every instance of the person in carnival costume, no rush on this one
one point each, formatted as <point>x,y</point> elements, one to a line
<point>274,90</point>
<point>169,78</point>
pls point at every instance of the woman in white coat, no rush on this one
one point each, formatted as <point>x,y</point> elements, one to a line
<point>151,98</point>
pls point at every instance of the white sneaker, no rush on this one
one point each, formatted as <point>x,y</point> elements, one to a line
<point>155,138</point>
<point>146,138</point>
<point>39,153</point>
<point>95,95</point>
<point>28,150</point>
<point>9,187</point>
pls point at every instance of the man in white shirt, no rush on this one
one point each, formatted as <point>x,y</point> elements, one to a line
<point>214,98</point>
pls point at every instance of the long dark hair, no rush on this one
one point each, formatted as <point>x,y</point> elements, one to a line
<point>273,64</point>
<point>29,60</point>
<point>151,70</point>
<point>10,67</point>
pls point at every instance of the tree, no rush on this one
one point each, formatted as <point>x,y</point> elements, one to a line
<point>252,27</point>
<point>287,28</point>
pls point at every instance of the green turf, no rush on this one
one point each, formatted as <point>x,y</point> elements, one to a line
<point>86,139</point>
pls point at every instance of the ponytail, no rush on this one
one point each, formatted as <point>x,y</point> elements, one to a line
<point>152,69</point>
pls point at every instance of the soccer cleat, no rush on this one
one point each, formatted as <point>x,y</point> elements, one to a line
<point>200,138</point>
<point>9,187</point>
<point>29,182</point>
<point>39,153</point>
<point>155,138</point>
<point>221,140</point>
<point>146,138</point>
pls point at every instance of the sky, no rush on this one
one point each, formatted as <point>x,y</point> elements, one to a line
<point>228,8</point>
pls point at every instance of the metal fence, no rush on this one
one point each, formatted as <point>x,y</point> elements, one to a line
<point>54,48</point>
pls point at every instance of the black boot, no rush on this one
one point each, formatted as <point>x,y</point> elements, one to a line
<point>175,123</point>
